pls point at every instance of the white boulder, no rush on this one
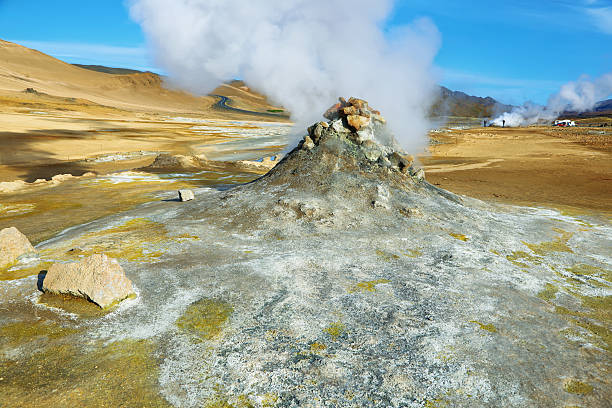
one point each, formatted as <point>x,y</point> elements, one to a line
<point>186,195</point>
<point>13,244</point>
<point>97,278</point>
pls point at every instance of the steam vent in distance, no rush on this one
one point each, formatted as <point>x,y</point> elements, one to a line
<point>342,278</point>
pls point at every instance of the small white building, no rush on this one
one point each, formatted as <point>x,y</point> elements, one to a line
<point>564,123</point>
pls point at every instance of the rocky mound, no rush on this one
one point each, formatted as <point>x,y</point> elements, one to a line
<point>341,169</point>
<point>355,140</point>
<point>166,161</point>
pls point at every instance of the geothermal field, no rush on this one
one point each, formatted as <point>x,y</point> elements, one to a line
<point>162,249</point>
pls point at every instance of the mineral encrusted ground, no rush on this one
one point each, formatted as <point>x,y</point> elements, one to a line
<point>341,280</point>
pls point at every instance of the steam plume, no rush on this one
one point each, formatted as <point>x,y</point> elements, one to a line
<point>578,96</point>
<point>302,54</point>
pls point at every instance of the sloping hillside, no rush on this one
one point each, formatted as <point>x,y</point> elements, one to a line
<point>456,103</point>
<point>22,68</point>
<point>603,108</point>
<point>600,115</point>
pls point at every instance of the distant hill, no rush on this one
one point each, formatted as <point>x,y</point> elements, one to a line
<point>45,77</point>
<point>604,106</point>
<point>450,103</point>
<point>22,68</point>
<point>109,70</point>
<point>601,109</point>
<point>457,103</point>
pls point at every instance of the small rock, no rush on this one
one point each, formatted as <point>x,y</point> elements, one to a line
<point>333,113</point>
<point>358,103</point>
<point>339,127</point>
<point>355,138</point>
<point>357,121</point>
<point>371,150</point>
<point>410,212</point>
<point>13,244</point>
<point>263,165</point>
<point>308,143</point>
<point>384,161</point>
<point>97,278</point>
<point>316,134</point>
<point>186,195</point>
<point>309,210</point>
<point>58,178</point>
<point>365,135</point>
<point>381,199</point>
<point>380,204</point>
<point>310,130</point>
<point>402,162</point>
<point>376,117</point>
<point>395,158</point>
<point>351,110</point>
<point>418,174</point>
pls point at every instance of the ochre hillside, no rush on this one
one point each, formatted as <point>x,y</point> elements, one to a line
<point>22,68</point>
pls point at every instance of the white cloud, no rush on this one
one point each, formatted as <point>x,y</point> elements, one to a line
<point>602,17</point>
<point>592,15</point>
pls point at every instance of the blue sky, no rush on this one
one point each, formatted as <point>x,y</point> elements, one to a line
<point>512,50</point>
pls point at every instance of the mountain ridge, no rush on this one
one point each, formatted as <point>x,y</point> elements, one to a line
<point>458,103</point>
<point>449,102</point>
<point>119,81</point>
<point>602,108</point>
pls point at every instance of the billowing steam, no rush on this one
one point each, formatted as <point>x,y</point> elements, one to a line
<point>578,96</point>
<point>303,54</point>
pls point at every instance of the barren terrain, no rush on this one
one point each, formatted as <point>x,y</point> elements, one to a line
<point>54,115</point>
<point>567,168</point>
<point>58,121</point>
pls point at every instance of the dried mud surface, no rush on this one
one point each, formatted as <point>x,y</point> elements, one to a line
<point>568,169</point>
